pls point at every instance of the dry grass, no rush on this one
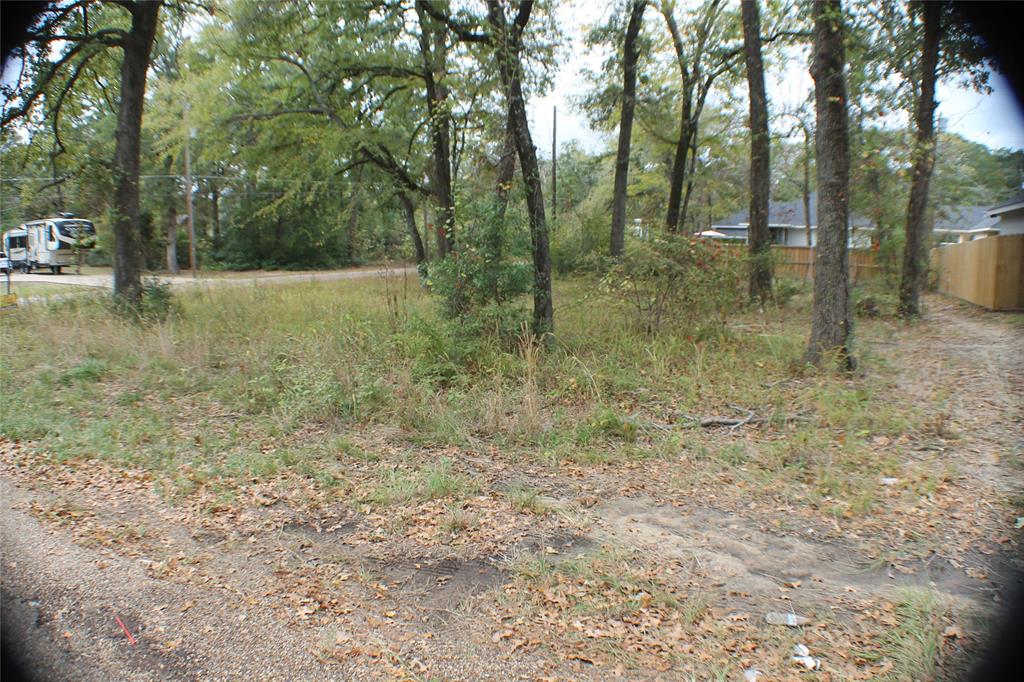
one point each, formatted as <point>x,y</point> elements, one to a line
<point>322,395</point>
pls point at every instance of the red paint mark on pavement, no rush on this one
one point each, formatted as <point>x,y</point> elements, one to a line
<point>124,629</point>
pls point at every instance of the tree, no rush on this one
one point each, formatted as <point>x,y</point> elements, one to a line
<point>78,43</point>
<point>508,43</point>
<point>409,212</point>
<point>138,44</point>
<point>433,50</point>
<point>900,50</point>
<point>758,237</point>
<point>708,58</point>
<point>629,62</point>
<point>914,250</point>
<point>830,317</point>
<point>802,124</point>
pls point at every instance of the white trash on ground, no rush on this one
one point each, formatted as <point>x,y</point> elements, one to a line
<point>790,619</point>
<point>804,658</point>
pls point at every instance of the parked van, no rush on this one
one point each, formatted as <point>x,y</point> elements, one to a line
<point>52,242</point>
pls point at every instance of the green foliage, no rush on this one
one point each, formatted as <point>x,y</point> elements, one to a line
<point>157,300</point>
<point>677,280</point>
<point>482,282</point>
<point>606,421</point>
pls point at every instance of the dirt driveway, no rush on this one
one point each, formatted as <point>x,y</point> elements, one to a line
<point>291,582</point>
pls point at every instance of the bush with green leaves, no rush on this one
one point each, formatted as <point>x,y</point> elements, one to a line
<point>483,282</point>
<point>674,280</point>
<point>155,305</point>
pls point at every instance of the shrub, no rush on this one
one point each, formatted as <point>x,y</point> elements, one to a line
<point>680,280</point>
<point>155,305</point>
<point>482,282</point>
<point>157,300</point>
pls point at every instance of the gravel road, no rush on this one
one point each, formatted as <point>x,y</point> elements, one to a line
<point>107,282</point>
<point>59,602</point>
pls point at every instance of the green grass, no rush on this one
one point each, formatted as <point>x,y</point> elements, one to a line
<point>915,644</point>
<point>428,483</point>
<point>44,290</point>
<point>526,498</point>
<point>609,582</point>
<point>246,383</point>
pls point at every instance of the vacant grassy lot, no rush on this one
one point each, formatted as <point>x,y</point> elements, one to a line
<point>427,506</point>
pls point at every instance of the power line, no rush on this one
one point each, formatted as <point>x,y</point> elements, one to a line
<point>19,178</point>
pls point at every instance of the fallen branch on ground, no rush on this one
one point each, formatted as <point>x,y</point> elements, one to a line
<point>733,423</point>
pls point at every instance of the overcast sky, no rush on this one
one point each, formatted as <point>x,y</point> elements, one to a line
<point>994,120</point>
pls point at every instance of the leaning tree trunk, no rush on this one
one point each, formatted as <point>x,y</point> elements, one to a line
<point>830,318</point>
<point>630,57</point>
<point>414,234</point>
<point>758,238</point>
<point>915,248</point>
<point>509,44</point>
<point>138,44</point>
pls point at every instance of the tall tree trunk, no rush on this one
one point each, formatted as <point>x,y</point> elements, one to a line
<point>675,191</point>
<point>509,44</point>
<point>433,52</point>
<point>629,60</point>
<point>807,187</point>
<point>505,173</point>
<point>758,238</point>
<point>426,231</point>
<point>410,223</point>
<point>352,233</point>
<point>138,45</point>
<point>171,213</point>
<point>914,252</point>
<point>830,318</point>
<point>678,176</point>
<point>215,210</point>
<point>694,89</point>
<point>506,168</point>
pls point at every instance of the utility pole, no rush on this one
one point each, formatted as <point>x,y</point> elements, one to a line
<point>188,194</point>
<point>554,164</point>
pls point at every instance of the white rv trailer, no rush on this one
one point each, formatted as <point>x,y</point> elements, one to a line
<point>15,247</point>
<point>53,242</point>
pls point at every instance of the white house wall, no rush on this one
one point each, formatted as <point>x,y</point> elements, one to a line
<point>1012,222</point>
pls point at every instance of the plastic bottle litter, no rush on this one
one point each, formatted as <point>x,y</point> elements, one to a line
<point>790,619</point>
<point>804,658</point>
<point>889,481</point>
<point>750,674</point>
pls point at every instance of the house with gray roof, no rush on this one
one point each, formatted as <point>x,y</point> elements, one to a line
<point>789,225</point>
<point>1009,215</point>
<point>965,223</point>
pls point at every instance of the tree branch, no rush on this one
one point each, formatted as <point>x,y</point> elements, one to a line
<point>19,112</point>
<point>98,36</point>
<point>465,33</point>
<point>274,114</point>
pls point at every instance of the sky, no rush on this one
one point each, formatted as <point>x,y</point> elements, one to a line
<point>993,120</point>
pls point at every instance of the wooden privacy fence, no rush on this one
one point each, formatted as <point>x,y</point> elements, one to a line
<point>988,272</point>
<point>798,261</point>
